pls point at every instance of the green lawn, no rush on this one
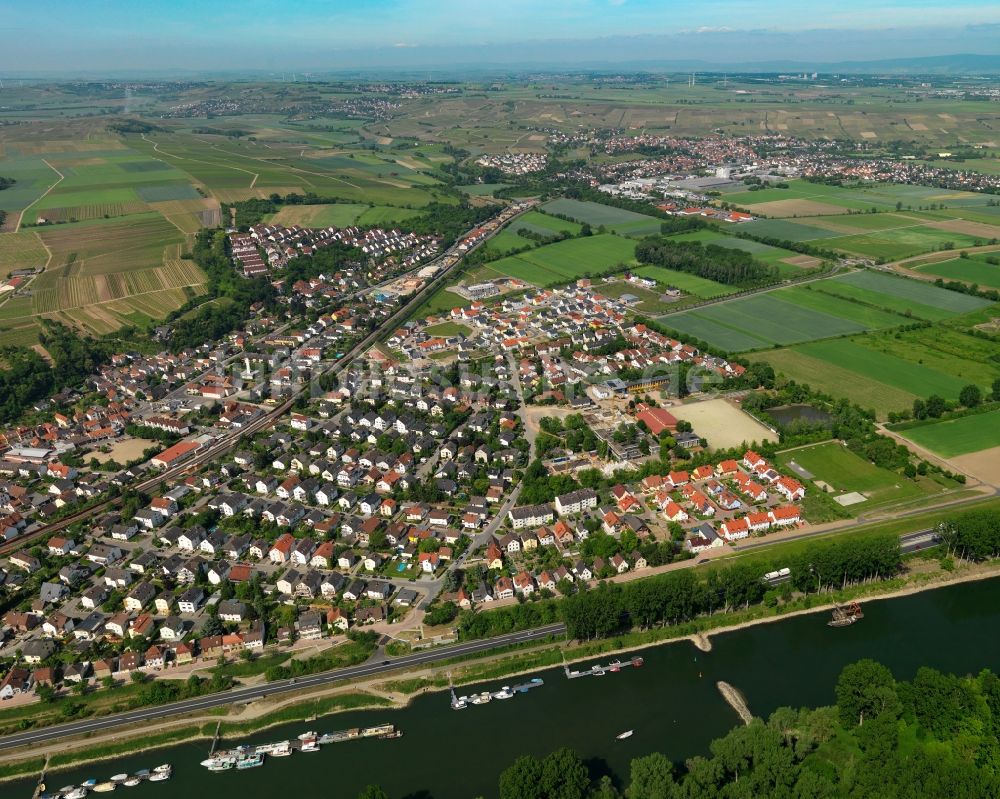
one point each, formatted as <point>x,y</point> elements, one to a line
<point>446,329</point>
<point>958,436</point>
<point>838,467</point>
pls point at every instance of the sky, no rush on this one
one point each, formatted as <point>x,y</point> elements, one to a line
<point>95,35</point>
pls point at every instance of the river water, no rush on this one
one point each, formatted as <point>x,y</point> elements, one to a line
<point>672,703</point>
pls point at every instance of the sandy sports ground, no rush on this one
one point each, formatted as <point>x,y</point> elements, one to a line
<point>124,451</point>
<point>722,423</point>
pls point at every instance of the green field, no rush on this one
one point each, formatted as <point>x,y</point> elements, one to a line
<point>786,316</point>
<point>898,293</point>
<point>958,436</point>
<point>619,220</point>
<point>894,244</point>
<point>567,260</point>
<point>885,367</point>
<point>689,284</point>
<point>973,270</point>
<point>787,229</point>
<point>887,371</point>
<point>845,472</point>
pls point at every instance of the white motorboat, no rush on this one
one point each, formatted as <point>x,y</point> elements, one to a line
<point>105,787</point>
<point>132,781</point>
<point>310,746</point>
<point>283,749</point>
<point>75,793</point>
<point>119,778</point>
<point>307,735</point>
<point>159,776</point>
<point>481,699</point>
<point>166,767</point>
<point>504,693</point>
<point>623,735</point>
<point>221,765</point>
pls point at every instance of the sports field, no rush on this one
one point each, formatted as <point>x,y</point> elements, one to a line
<point>567,260</point>
<point>845,472</point>
<point>958,436</point>
<point>722,423</point>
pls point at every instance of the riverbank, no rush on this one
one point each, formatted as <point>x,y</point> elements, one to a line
<point>390,694</point>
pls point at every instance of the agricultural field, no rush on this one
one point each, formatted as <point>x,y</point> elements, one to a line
<point>846,473</point>
<point>618,220</point>
<point>973,270</point>
<point>961,436</point>
<point>21,250</point>
<point>885,371</point>
<point>567,260</point>
<point>509,239</point>
<point>341,215</point>
<point>784,316</point>
<point>909,297</point>
<point>803,198</point>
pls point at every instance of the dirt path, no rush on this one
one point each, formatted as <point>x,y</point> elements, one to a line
<point>934,258</point>
<point>20,217</point>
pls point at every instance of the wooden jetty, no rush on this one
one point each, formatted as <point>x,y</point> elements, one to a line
<point>40,788</point>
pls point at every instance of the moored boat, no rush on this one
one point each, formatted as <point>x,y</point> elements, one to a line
<point>503,693</point>
<point>105,787</point>
<point>132,781</point>
<point>306,735</point>
<point>166,767</point>
<point>220,765</point>
<point>637,662</point>
<point>77,792</point>
<point>481,699</point>
<point>119,778</point>
<point>159,776</point>
<point>623,735</point>
<point>250,761</point>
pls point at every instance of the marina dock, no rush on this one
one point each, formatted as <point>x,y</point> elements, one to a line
<point>598,670</point>
<point>247,756</point>
<point>506,692</point>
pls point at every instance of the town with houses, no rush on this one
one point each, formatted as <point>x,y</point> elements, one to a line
<point>362,504</point>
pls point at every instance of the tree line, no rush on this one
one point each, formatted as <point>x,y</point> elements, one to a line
<point>680,597</point>
<point>712,262</point>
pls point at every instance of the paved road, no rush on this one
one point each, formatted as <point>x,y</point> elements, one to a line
<point>278,687</point>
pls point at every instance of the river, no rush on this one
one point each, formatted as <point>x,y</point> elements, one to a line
<point>672,703</point>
